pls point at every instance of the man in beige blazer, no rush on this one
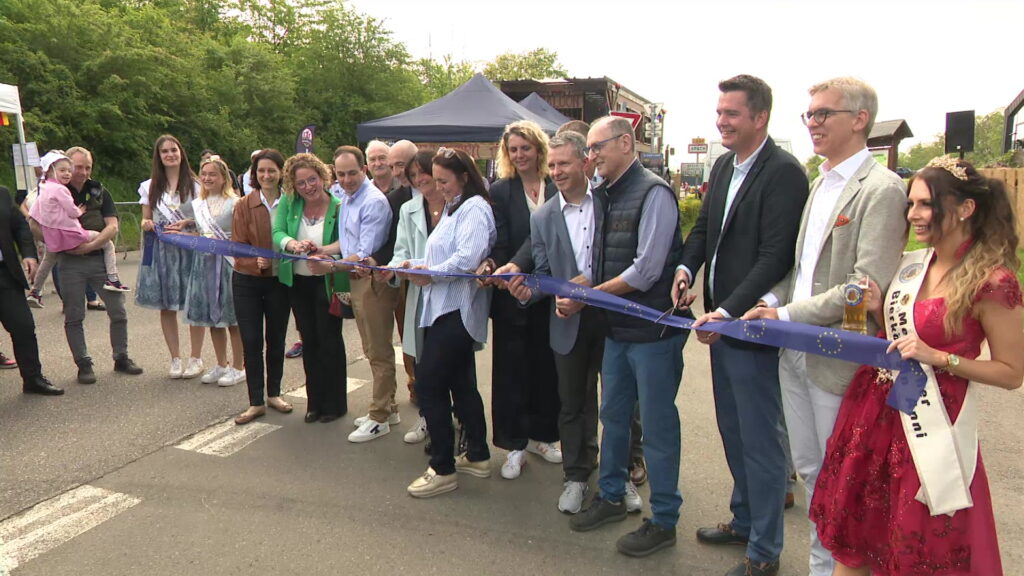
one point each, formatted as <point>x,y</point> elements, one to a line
<point>854,221</point>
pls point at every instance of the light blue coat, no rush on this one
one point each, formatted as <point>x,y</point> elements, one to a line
<point>411,243</point>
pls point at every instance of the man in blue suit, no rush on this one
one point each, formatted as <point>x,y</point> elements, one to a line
<point>744,238</point>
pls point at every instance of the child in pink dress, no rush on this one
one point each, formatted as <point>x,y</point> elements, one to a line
<point>57,216</point>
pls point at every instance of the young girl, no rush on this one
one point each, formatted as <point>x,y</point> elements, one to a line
<point>57,216</point>
<point>209,300</point>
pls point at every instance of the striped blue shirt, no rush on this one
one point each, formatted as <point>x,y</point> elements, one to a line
<point>459,244</point>
<point>364,222</point>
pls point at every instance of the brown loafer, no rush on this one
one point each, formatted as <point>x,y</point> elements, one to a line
<point>277,403</point>
<point>249,415</point>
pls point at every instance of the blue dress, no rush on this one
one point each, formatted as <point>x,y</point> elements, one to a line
<point>162,283</point>
<point>210,299</point>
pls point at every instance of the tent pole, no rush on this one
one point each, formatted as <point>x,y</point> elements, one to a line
<point>27,173</point>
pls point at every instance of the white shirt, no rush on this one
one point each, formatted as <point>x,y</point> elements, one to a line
<point>834,180</point>
<point>459,243</point>
<point>579,220</point>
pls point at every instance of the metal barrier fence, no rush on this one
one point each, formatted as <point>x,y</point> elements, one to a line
<point>129,230</point>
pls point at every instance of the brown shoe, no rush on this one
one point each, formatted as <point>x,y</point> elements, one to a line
<point>251,414</point>
<point>638,472</point>
<point>790,501</point>
<point>278,403</point>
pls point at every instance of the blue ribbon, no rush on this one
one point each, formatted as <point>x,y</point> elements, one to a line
<point>829,342</point>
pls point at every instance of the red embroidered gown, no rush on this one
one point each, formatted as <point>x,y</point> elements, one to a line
<point>864,505</point>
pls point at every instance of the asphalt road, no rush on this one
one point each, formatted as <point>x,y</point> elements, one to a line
<point>137,493</point>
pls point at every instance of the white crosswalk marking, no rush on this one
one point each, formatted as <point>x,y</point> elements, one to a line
<point>352,385</point>
<point>52,523</point>
<point>226,438</point>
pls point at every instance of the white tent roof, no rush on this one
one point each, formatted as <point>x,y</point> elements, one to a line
<point>9,100</point>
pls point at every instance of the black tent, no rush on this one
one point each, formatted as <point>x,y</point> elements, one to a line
<point>474,112</point>
<point>539,106</point>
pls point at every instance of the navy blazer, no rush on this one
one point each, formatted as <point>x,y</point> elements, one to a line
<point>755,241</point>
<point>512,221</point>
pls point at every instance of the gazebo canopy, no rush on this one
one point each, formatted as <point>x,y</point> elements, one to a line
<point>474,112</point>
<point>539,106</point>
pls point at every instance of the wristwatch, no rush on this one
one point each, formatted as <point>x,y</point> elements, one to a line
<point>952,362</point>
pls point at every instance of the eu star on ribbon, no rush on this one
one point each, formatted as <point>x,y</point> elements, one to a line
<point>838,344</point>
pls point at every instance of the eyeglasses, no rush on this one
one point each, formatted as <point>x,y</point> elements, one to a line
<point>596,147</point>
<point>821,115</point>
<point>308,182</point>
<point>446,152</point>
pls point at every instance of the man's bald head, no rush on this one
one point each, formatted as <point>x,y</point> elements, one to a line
<point>402,152</point>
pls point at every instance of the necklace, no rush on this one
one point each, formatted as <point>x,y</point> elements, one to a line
<point>318,213</point>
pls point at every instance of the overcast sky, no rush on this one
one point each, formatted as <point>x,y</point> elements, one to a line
<point>924,58</point>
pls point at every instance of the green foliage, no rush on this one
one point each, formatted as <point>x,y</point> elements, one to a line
<point>112,75</point>
<point>440,78</point>
<point>811,166</point>
<point>988,145</point>
<point>535,65</point>
<point>689,209</point>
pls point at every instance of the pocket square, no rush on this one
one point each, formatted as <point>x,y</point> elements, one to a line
<point>842,221</point>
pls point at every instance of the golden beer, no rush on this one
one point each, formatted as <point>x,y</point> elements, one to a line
<point>855,313</point>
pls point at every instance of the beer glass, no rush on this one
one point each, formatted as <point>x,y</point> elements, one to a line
<point>855,314</point>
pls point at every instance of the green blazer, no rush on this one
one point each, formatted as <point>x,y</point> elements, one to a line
<point>286,226</point>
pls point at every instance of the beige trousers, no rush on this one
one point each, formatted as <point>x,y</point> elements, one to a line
<point>374,305</point>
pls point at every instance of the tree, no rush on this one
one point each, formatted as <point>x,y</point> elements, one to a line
<point>533,65</point>
<point>440,78</point>
<point>988,145</point>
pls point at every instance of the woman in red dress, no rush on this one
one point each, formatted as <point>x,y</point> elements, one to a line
<point>864,505</point>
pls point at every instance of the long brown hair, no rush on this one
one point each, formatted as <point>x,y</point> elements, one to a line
<point>158,175</point>
<point>991,227</point>
<point>460,163</point>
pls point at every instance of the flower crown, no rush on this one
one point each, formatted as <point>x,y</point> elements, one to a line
<point>949,164</point>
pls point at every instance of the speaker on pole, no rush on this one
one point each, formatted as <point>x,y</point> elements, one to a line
<point>960,131</point>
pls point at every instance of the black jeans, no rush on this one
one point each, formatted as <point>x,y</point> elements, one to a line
<point>258,298</point>
<point>323,354</point>
<point>445,373</point>
<point>524,382</point>
<point>577,389</point>
<point>18,321</point>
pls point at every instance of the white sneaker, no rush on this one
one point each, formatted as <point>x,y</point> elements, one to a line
<point>231,377</point>
<point>418,432</point>
<point>195,368</point>
<point>394,418</point>
<point>572,497</point>
<point>513,465</point>
<point>214,374</point>
<point>175,371</point>
<point>634,503</point>
<point>545,450</point>
<point>369,430</point>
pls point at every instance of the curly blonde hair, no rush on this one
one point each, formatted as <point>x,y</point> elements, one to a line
<point>991,227</point>
<point>533,134</point>
<point>304,160</point>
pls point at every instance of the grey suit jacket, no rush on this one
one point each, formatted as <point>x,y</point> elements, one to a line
<point>869,240</point>
<point>553,256</point>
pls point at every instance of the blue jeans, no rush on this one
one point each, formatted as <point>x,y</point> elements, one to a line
<point>648,372</point>
<point>748,406</point>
